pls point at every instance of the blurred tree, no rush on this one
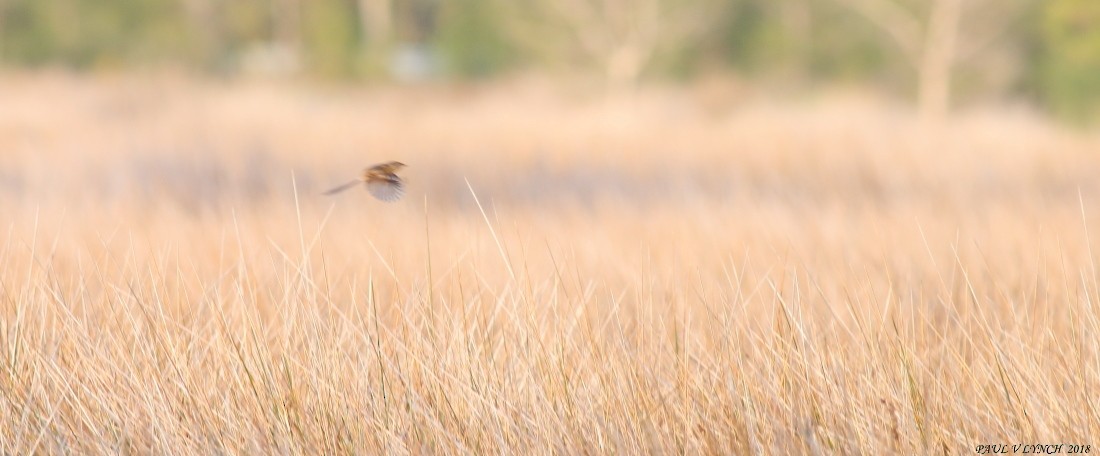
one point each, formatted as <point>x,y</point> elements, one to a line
<point>471,40</point>
<point>618,39</point>
<point>768,38</point>
<point>227,30</point>
<point>205,24</point>
<point>3,17</point>
<point>948,48</point>
<point>263,37</point>
<point>286,16</point>
<point>376,23</point>
<point>929,35</point>
<point>330,37</point>
<point>796,17</point>
<point>840,49</point>
<point>1069,64</point>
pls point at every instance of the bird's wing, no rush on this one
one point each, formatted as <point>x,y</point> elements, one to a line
<point>342,187</point>
<point>386,188</point>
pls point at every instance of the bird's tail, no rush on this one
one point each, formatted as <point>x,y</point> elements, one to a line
<point>342,188</point>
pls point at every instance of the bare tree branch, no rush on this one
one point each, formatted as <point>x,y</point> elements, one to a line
<point>619,38</point>
<point>900,25</point>
<point>935,44</point>
<point>995,23</point>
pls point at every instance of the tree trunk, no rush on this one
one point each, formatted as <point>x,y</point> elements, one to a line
<point>3,14</point>
<point>203,19</point>
<point>287,18</point>
<point>624,67</point>
<point>934,84</point>
<point>797,19</point>
<point>375,23</point>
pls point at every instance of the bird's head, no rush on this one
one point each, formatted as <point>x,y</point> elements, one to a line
<point>382,169</point>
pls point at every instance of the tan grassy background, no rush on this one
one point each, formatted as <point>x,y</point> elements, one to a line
<point>659,272</point>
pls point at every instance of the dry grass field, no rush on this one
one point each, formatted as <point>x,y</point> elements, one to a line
<point>568,274</point>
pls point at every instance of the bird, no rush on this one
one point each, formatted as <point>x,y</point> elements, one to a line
<point>381,180</point>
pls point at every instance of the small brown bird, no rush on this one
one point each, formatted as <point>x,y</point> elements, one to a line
<point>382,182</point>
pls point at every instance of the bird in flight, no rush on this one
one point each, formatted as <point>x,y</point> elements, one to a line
<point>381,180</point>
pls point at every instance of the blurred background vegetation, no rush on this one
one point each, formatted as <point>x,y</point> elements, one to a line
<point>939,54</point>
